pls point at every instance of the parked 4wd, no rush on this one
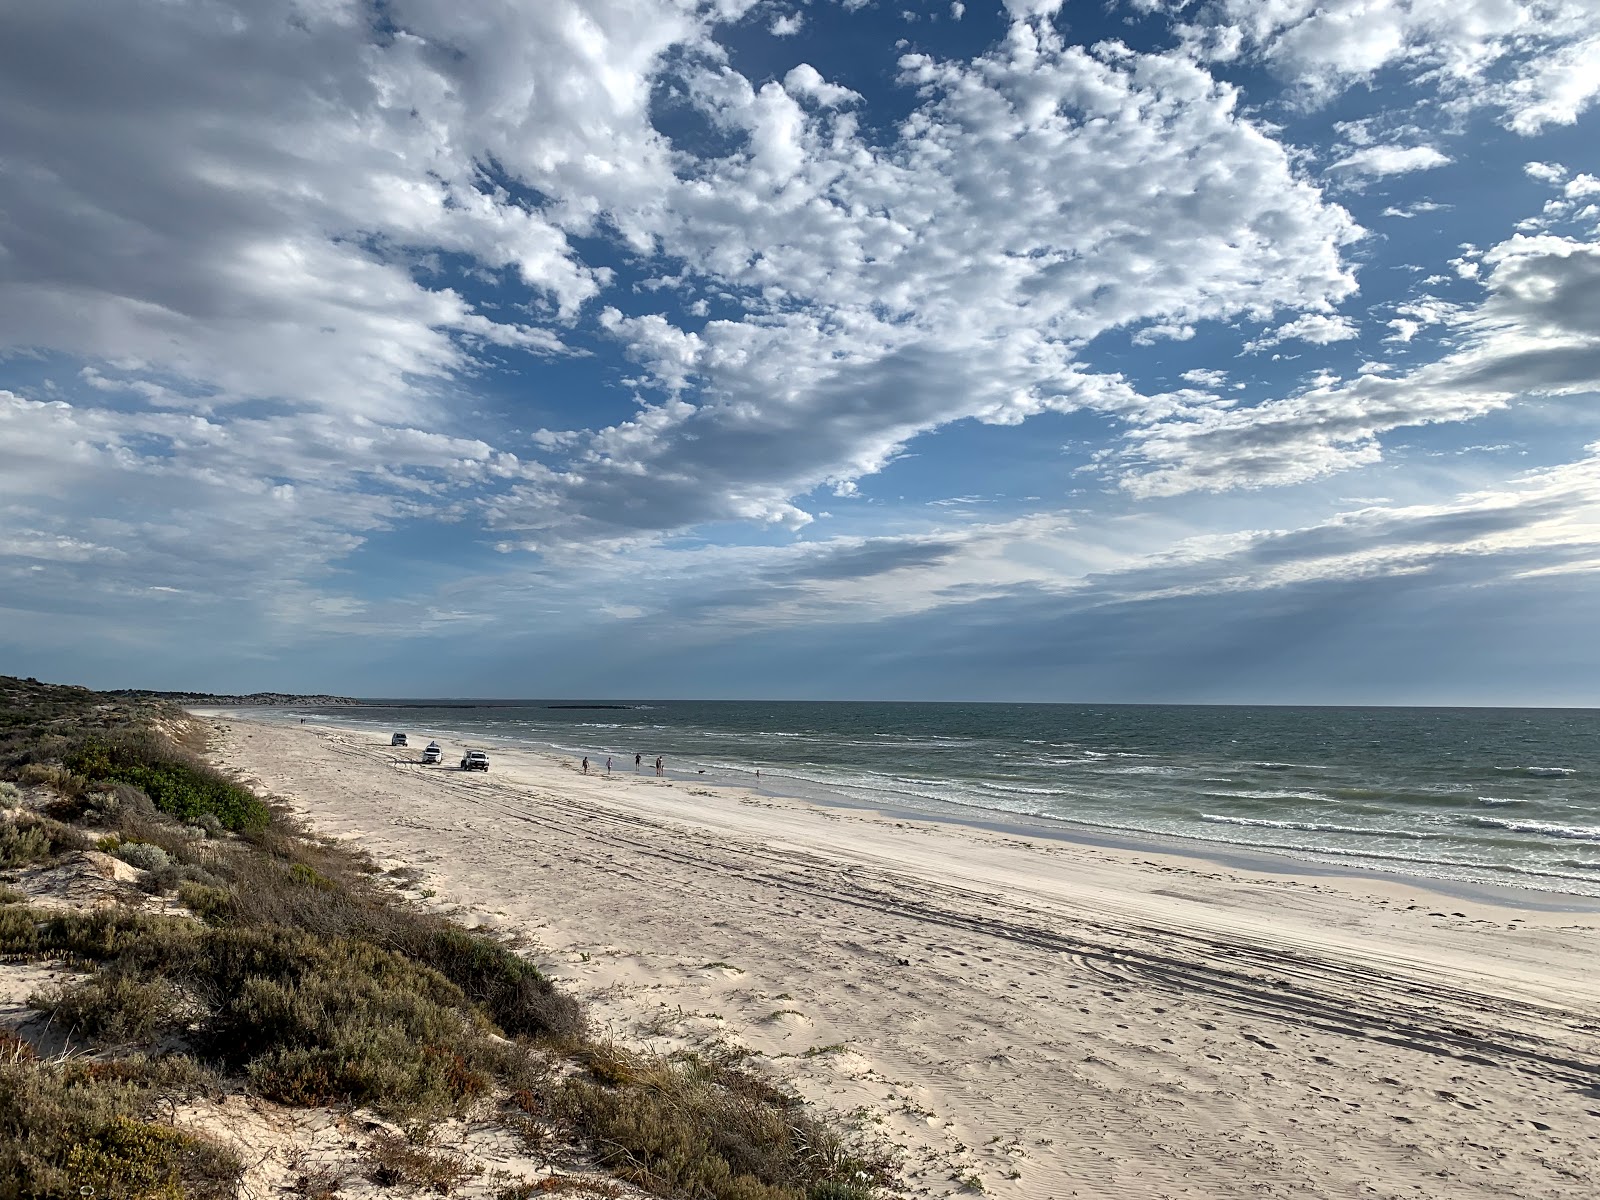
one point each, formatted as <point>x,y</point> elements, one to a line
<point>476,760</point>
<point>432,754</point>
<point>398,739</point>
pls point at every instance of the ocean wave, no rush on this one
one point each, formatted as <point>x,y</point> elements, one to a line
<point>1256,794</point>
<point>1573,833</point>
<point>1143,770</point>
<point>1539,772</point>
<point>1013,789</point>
<point>1319,827</point>
<point>1500,800</point>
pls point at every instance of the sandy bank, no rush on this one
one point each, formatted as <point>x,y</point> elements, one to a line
<point>1042,1018</point>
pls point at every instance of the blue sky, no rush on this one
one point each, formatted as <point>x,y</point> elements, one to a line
<point>1217,350</point>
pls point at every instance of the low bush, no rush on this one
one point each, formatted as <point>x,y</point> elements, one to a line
<point>66,1132</point>
<point>26,838</point>
<point>177,786</point>
<point>144,855</point>
<point>520,998</point>
<point>699,1129</point>
<point>114,1007</point>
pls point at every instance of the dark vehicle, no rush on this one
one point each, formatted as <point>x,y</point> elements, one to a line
<point>431,753</point>
<point>398,739</point>
<point>476,760</point>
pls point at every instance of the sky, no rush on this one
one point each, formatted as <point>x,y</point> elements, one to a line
<point>1241,351</point>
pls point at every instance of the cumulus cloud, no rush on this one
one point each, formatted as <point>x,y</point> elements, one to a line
<point>1319,329</point>
<point>806,82</point>
<point>1377,161</point>
<point>1533,60</point>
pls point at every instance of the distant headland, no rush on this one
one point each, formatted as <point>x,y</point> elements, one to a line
<point>254,698</point>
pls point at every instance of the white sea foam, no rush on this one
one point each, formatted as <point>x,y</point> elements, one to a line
<point>1318,827</point>
<point>1500,800</point>
<point>1575,833</point>
<point>1540,772</point>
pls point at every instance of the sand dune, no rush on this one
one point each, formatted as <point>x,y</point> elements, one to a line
<point>1028,1016</point>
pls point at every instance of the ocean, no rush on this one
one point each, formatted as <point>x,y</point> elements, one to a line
<point>1506,796</point>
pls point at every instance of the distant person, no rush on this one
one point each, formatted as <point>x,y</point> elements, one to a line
<point>586,765</point>
<point>658,764</point>
<point>608,764</point>
<point>637,759</point>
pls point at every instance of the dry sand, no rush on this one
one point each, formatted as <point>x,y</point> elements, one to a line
<point>1028,1016</point>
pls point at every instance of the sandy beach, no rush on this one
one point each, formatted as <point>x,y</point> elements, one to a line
<point>1024,1016</point>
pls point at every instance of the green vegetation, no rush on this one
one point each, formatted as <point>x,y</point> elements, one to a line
<point>66,1128</point>
<point>26,838</point>
<point>309,980</point>
<point>177,785</point>
<point>706,1129</point>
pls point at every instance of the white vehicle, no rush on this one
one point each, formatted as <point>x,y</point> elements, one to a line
<point>476,760</point>
<point>398,739</point>
<point>431,753</point>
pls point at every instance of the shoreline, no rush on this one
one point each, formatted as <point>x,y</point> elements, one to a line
<point>1235,856</point>
<point>1042,1016</point>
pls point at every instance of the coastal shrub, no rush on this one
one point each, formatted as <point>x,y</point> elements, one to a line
<point>176,786</point>
<point>692,1128</point>
<point>10,795</point>
<point>26,838</point>
<point>19,932</point>
<point>329,891</point>
<point>114,1007</point>
<point>520,998</point>
<point>144,855</point>
<point>68,1130</point>
<point>210,904</point>
<point>20,845</point>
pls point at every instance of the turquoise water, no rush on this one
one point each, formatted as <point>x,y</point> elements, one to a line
<point>1483,795</point>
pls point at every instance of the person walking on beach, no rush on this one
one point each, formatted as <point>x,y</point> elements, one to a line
<point>637,759</point>
<point>586,764</point>
<point>608,764</point>
<point>658,764</point>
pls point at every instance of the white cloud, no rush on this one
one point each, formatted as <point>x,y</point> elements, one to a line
<point>1531,59</point>
<point>788,24</point>
<point>1377,161</point>
<point>1319,329</point>
<point>1039,197</point>
<point>1537,333</point>
<point>806,82</point>
<point>1415,209</point>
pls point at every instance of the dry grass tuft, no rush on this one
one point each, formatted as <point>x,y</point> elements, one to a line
<point>393,1160</point>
